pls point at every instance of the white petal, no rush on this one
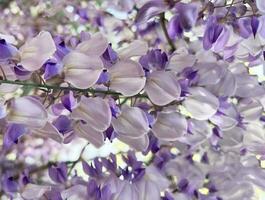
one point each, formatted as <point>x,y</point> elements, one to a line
<point>254,138</point>
<point>131,123</point>
<point>94,111</point>
<point>95,46</point>
<point>226,120</point>
<point>209,73</point>
<point>152,173</point>
<point>10,75</point>
<point>32,191</point>
<point>50,131</point>
<point>36,51</point>
<point>93,136</point>
<point>248,86</point>
<point>139,144</point>
<point>148,190</point>
<point>162,87</point>
<point>75,192</point>
<point>226,87</point>
<point>127,191</point>
<point>238,68</point>
<point>260,5</point>
<point>201,104</point>
<point>127,77</point>
<point>169,126</point>
<point>180,61</point>
<point>250,109</point>
<point>200,131</point>
<point>136,48</point>
<point>232,138</point>
<point>82,71</point>
<point>29,111</point>
<point>236,191</point>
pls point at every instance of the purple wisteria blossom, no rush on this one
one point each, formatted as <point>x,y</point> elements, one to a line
<point>132,100</point>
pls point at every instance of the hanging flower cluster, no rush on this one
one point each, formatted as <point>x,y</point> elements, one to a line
<point>181,94</point>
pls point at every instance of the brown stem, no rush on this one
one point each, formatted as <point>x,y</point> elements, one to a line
<point>164,28</point>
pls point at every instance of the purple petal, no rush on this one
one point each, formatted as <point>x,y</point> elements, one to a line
<point>7,51</point>
<point>63,124</point>
<point>103,78</point>
<point>13,133</point>
<point>149,10</point>
<point>254,25</point>
<point>174,27</point>
<point>69,101</point>
<point>21,72</point>
<point>244,25</point>
<point>58,173</point>
<point>170,126</point>
<point>52,68</point>
<point>187,14</point>
<point>9,184</point>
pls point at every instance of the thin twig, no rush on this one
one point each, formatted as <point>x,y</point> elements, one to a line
<point>3,72</point>
<point>68,88</point>
<point>78,160</point>
<point>164,28</point>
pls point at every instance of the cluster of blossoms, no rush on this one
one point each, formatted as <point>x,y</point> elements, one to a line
<point>193,110</point>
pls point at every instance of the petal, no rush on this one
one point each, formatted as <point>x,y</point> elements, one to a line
<point>131,123</point>
<point>248,86</point>
<point>232,138</point>
<point>149,10</point>
<point>136,48</point>
<point>254,138</point>
<point>28,111</point>
<point>32,191</point>
<point>261,30</point>
<point>201,103</point>
<point>169,126</point>
<point>52,68</point>
<point>3,111</point>
<point>174,27</point>
<point>84,73</point>
<point>95,137</point>
<point>180,61</point>
<point>36,51</point>
<point>12,134</point>
<point>139,143</point>
<point>95,46</point>
<point>148,190</point>
<point>126,191</point>
<point>226,120</point>
<point>94,111</point>
<point>250,109</point>
<point>7,51</point>
<point>75,192</point>
<point>244,25</point>
<point>209,73</point>
<point>162,87</point>
<point>49,131</point>
<point>188,14</point>
<point>221,41</point>
<point>10,75</point>
<point>69,101</point>
<point>226,87</point>
<point>199,130</point>
<point>127,77</point>
<point>58,173</point>
<point>260,5</point>
<point>235,191</point>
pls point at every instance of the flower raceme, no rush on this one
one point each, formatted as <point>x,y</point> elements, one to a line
<point>192,118</point>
